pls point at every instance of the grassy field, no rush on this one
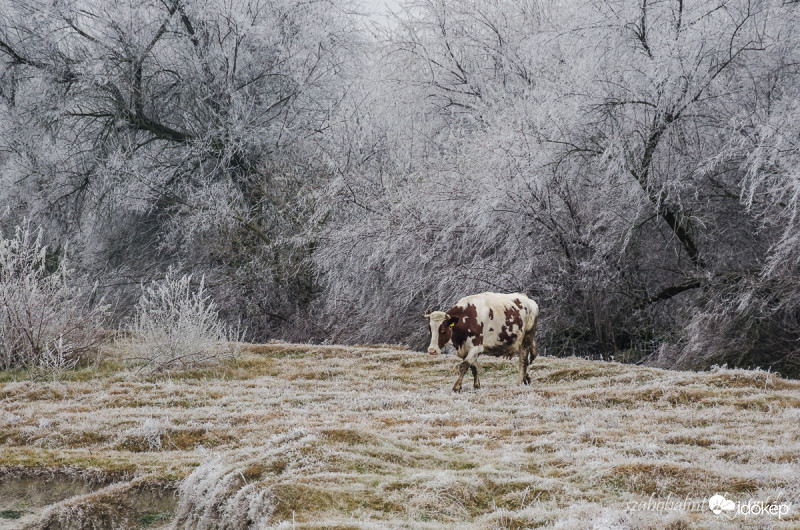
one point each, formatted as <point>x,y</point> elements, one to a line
<point>372,437</point>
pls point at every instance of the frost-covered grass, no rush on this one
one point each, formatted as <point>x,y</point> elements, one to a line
<point>374,437</point>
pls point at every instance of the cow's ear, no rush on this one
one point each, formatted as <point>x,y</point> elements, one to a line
<point>452,321</point>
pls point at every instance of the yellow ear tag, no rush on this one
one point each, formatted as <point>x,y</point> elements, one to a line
<point>452,324</point>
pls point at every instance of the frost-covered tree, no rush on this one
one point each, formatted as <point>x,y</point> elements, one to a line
<point>180,131</point>
<point>599,157</point>
<point>631,164</point>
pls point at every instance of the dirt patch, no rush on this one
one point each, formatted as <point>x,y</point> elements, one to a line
<point>23,499</point>
<point>756,380</point>
<point>347,436</point>
<point>62,501</point>
<point>681,480</point>
<point>572,374</point>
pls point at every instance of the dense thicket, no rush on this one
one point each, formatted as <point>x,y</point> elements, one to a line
<point>634,165</point>
<point>174,132</point>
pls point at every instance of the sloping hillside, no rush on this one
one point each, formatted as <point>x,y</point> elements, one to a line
<point>369,437</point>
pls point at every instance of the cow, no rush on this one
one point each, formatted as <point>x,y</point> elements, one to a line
<point>488,323</point>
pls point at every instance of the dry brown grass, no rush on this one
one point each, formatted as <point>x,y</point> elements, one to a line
<point>372,437</point>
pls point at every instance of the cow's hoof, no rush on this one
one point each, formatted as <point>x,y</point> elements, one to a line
<point>478,386</point>
<point>457,389</point>
<point>527,380</point>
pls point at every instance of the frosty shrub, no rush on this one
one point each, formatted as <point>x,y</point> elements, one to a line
<point>233,491</point>
<point>218,495</point>
<point>46,323</point>
<point>177,325</point>
<point>148,435</point>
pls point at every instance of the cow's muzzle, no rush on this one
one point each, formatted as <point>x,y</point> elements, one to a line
<point>432,351</point>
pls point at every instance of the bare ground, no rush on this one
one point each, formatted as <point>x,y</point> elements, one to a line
<point>373,437</point>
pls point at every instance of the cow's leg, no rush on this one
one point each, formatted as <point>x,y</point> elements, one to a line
<point>475,382</point>
<point>527,354</point>
<point>468,361</point>
<point>524,378</point>
<point>462,369</point>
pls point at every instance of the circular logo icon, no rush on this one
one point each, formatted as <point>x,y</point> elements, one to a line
<point>718,503</point>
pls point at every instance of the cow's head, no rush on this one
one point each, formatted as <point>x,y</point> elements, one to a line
<point>441,325</point>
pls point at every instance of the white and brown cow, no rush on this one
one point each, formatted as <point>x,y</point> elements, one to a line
<point>488,323</point>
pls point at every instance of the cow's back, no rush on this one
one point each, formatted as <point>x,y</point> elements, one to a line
<point>504,319</point>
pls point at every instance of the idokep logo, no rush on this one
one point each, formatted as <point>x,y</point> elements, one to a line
<point>719,504</point>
